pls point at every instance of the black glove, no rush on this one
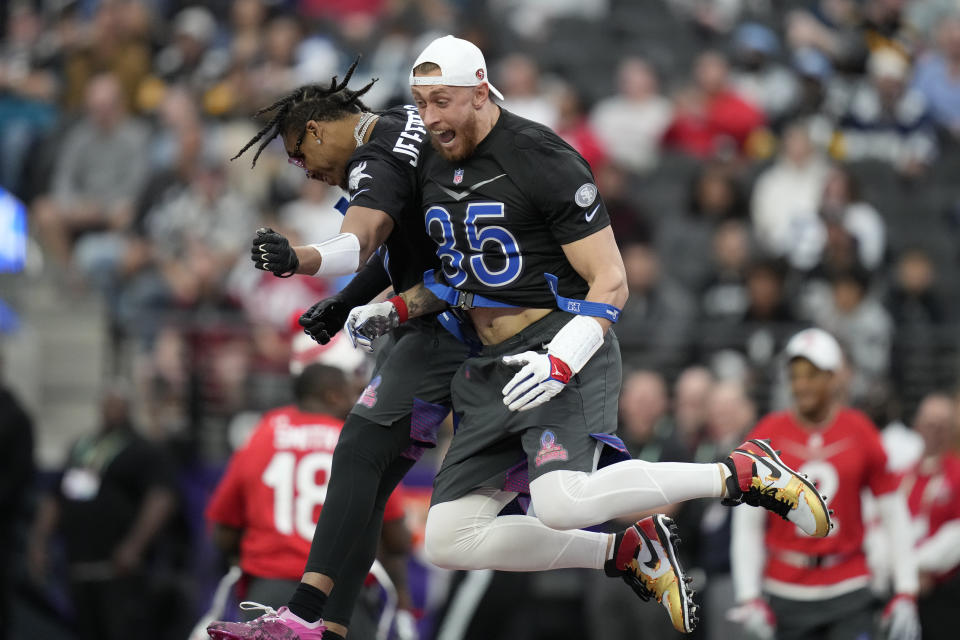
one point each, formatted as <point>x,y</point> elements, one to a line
<point>322,321</point>
<point>272,252</point>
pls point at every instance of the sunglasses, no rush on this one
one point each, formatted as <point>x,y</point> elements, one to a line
<point>296,158</point>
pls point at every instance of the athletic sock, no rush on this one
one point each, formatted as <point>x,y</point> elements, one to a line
<point>330,635</point>
<point>610,566</point>
<point>307,602</point>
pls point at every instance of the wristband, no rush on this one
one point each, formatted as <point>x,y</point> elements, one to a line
<point>401,307</point>
<point>576,342</point>
<point>339,256</point>
<point>559,370</point>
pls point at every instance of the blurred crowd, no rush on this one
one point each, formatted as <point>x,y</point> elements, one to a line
<point>767,166</point>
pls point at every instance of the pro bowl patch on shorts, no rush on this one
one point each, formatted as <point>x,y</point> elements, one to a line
<point>550,450</point>
<point>369,396</point>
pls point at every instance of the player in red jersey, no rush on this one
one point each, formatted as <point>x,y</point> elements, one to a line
<point>801,587</point>
<point>932,488</point>
<point>266,506</point>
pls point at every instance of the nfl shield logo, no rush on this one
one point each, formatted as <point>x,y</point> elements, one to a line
<point>458,176</point>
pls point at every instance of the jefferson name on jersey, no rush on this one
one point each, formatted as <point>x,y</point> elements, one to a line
<point>382,176</point>
<point>499,218</point>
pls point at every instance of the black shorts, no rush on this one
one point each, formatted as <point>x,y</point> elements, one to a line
<point>496,447</point>
<point>412,377</point>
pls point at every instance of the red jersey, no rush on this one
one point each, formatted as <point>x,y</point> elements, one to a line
<point>274,488</point>
<point>843,458</point>
<point>933,494</point>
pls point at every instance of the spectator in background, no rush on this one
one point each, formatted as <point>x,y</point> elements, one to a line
<point>519,78</point>
<point>573,127</point>
<point>191,60</point>
<point>725,295</point>
<point>913,301</point>
<point>844,211</point>
<point>786,197</point>
<point>833,28</point>
<point>656,328</point>
<point>887,120</point>
<point>684,241</point>
<point>691,392</point>
<point>115,496</point>
<point>710,118</point>
<point>921,336</point>
<point>631,123</point>
<point>16,494</point>
<point>757,76</point>
<point>646,430</point>
<point>28,90</point>
<point>112,45</point>
<point>100,168</point>
<point>937,76</point>
<point>865,328</point>
<point>933,494</point>
<point>730,414</point>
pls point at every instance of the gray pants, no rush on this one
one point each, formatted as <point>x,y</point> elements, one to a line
<point>846,617</point>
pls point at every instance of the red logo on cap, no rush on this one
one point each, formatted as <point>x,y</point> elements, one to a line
<point>479,74</point>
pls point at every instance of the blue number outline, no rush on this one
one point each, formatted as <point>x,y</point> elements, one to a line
<point>476,238</point>
<point>451,259</point>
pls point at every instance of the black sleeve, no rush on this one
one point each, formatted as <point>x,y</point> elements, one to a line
<point>381,182</point>
<point>565,189</point>
<point>367,284</point>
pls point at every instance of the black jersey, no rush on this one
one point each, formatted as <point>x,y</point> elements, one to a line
<point>499,217</point>
<point>381,174</point>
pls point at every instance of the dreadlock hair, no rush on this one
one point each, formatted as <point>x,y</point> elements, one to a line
<point>309,102</point>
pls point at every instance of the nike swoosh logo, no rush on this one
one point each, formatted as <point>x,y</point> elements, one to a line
<point>460,195</point>
<point>590,216</point>
<point>653,561</point>
<point>358,193</point>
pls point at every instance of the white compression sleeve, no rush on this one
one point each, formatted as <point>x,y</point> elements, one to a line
<point>467,534</point>
<point>941,552</point>
<point>747,553</point>
<point>339,256</point>
<point>896,520</point>
<point>574,499</point>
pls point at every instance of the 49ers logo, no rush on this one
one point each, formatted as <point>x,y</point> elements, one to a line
<point>480,74</point>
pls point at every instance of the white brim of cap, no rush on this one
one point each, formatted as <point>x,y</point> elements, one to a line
<point>453,82</point>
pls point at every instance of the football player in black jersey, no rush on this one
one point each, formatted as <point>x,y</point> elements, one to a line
<point>528,254</point>
<point>328,132</point>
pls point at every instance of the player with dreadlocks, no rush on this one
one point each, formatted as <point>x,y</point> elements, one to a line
<point>328,132</point>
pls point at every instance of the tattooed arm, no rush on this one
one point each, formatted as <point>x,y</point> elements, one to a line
<point>420,301</point>
<point>367,323</point>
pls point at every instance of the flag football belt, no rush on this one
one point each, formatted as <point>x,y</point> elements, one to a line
<point>469,300</point>
<point>807,561</point>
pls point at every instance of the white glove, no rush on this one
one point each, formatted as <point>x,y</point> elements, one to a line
<point>405,625</point>
<point>900,619</point>
<point>368,322</point>
<point>756,617</point>
<point>542,377</point>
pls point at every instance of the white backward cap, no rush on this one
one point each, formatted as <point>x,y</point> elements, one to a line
<point>817,346</point>
<point>461,64</point>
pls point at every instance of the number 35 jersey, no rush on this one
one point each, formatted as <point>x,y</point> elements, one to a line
<point>499,217</point>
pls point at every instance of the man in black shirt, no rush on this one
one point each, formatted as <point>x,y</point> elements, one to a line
<point>521,232</point>
<point>329,132</point>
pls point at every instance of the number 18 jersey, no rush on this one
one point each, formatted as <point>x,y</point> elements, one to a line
<point>499,217</point>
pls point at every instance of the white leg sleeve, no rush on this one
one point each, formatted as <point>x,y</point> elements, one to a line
<point>468,534</point>
<point>574,499</point>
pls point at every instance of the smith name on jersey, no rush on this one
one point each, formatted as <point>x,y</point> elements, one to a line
<point>499,217</point>
<point>381,174</point>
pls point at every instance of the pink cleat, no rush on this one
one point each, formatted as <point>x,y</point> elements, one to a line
<point>272,625</point>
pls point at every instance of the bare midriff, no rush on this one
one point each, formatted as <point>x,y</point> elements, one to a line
<point>496,324</point>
